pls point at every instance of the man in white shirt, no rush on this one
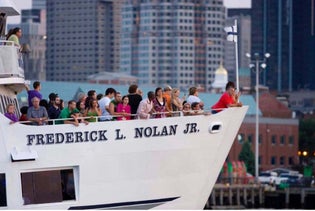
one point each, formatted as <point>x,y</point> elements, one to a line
<point>145,107</point>
<point>104,104</point>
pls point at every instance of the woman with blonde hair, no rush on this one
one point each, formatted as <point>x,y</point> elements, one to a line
<point>177,103</point>
<point>10,113</point>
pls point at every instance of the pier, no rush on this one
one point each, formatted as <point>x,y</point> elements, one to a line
<point>244,196</point>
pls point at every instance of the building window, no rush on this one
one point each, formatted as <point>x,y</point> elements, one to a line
<point>3,191</point>
<point>260,139</point>
<point>48,186</point>
<point>282,140</point>
<point>274,140</point>
<point>282,160</point>
<point>273,160</point>
<point>291,140</point>
<point>250,138</point>
<point>291,160</point>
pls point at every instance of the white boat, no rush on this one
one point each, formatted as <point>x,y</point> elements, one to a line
<point>169,163</point>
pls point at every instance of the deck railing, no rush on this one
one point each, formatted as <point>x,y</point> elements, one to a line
<point>11,63</point>
<point>174,114</point>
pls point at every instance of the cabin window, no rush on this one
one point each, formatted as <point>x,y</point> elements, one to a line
<point>3,191</point>
<point>48,186</point>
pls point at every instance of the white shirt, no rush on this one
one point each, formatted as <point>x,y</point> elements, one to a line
<point>192,98</point>
<point>103,103</point>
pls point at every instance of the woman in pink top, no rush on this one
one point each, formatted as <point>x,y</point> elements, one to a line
<point>124,108</point>
<point>228,99</point>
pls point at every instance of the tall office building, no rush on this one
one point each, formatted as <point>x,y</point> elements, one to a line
<point>33,25</point>
<point>271,26</point>
<point>117,6</point>
<point>179,43</point>
<point>243,18</point>
<point>39,4</point>
<point>285,29</point>
<point>79,38</point>
<point>303,44</point>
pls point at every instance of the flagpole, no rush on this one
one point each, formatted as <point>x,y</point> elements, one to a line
<point>236,57</point>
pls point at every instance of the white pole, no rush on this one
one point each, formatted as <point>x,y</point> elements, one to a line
<point>236,58</point>
<point>257,120</point>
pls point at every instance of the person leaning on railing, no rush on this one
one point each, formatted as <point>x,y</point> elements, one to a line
<point>14,35</point>
<point>228,99</point>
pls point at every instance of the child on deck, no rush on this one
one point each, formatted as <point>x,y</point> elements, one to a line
<point>10,113</point>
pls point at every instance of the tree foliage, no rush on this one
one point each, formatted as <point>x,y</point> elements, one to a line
<point>307,135</point>
<point>247,156</point>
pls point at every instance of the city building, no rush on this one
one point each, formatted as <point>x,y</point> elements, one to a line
<point>39,4</point>
<point>180,43</point>
<point>243,18</point>
<point>286,30</point>
<point>117,6</point>
<point>33,42</point>
<point>271,33</point>
<point>79,39</point>
<point>278,135</point>
<point>303,44</point>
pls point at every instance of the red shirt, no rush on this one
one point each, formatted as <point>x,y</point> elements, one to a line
<point>223,102</point>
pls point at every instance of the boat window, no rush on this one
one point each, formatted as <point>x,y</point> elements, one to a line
<point>48,186</point>
<point>3,191</point>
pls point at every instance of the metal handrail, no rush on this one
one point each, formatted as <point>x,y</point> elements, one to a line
<point>181,113</point>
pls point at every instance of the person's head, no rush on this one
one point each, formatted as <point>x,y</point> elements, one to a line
<point>110,92</point>
<point>82,97</point>
<point>72,105</point>
<point>139,92</point>
<point>93,103</point>
<point>125,100</point>
<point>80,105</point>
<point>92,94</point>
<point>10,108</point>
<point>118,97</point>
<point>132,88</point>
<point>151,95</point>
<point>57,101</point>
<point>99,96</point>
<point>52,97</point>
<point>23,109</point>
<point>61,104</point>
<point>158,91</point>
<point>230,87</point>
<point>35,102</point>
<point>168,90</point>
<point>44,103</point>
<point>17,31</point>
<point>186,106</point>
<point>193,91</point>
<point>175,92</point>
<point>36,85</point>
<point>195,106</point>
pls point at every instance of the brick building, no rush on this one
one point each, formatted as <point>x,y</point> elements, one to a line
<point>278,135</point>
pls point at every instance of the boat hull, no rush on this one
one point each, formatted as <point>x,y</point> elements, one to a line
<point>169,163</point>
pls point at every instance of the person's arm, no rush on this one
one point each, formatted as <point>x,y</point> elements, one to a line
<point>27,87</point>
<point>98,111</point>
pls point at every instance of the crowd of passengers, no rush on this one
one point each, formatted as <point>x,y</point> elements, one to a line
<point>112,106</point>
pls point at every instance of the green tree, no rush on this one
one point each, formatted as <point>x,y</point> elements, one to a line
<point>307,135</point>
<point>247,156</point>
